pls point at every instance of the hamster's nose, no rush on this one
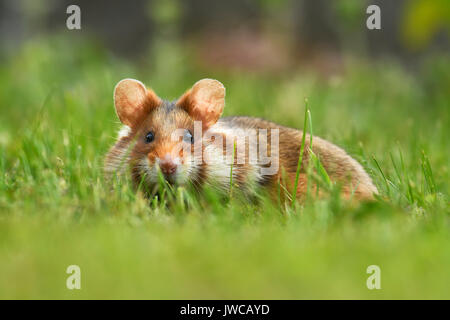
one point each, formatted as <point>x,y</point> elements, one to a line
<point>168,167</point>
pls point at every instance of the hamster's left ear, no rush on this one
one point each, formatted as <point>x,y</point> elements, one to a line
<point>133,101</point>
<point>204,101</point>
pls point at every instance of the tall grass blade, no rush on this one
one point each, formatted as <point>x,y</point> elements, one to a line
<point>300,156</point>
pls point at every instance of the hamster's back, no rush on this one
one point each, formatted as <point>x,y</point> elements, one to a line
<point>340,167</point>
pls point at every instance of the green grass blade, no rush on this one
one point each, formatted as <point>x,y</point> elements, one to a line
<point>300,156</point>
<point>428,173</point>
<point>388,189</point>
<point>231,169</point>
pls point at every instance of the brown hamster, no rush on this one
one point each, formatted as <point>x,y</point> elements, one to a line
<point>186,142</point>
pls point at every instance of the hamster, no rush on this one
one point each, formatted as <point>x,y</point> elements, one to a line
<point>188,143</point>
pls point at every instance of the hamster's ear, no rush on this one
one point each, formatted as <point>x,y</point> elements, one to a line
<point>204,101</point>
<point>133,101</point>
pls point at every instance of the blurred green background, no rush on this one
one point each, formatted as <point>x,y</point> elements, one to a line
<point>382,95</point>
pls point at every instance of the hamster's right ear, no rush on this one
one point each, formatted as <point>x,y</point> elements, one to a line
<point>133,101</point>
<point>204,101</point>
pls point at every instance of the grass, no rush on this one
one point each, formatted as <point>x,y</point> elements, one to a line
<point>57,122</point>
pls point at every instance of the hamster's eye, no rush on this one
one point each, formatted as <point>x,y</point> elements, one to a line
<point>188,137</point>
<point>149,137</point>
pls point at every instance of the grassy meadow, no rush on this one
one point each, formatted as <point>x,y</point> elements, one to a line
<point>57,121</point>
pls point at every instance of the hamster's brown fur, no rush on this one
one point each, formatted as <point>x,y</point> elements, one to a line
<point>142,112</point>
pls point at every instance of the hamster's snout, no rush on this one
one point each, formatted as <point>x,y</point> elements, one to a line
<point>167,165</point>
